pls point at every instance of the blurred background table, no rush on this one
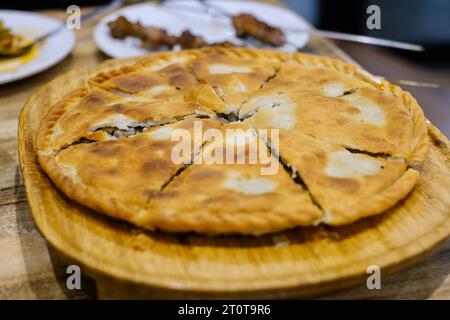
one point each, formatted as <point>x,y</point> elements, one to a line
<point>29,269</point>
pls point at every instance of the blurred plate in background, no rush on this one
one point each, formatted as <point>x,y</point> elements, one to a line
<point>176,16</point>
<point>31,26</point>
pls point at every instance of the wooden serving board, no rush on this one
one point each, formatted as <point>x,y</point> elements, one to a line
<point>129,262</point>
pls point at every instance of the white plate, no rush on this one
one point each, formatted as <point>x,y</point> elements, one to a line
<point>213,28</point>
<point>51,51</point>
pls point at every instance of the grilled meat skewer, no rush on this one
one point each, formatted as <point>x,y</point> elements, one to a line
<point>248,25</point>
<point>155,38</point>
<point>151,37</point>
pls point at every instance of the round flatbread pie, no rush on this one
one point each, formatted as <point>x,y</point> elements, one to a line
<point>234,140</point>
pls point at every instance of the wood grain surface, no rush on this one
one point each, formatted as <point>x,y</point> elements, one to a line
<point>29,268</point>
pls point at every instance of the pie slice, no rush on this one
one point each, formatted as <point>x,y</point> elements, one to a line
<point>119,177</point>
<point>249,198</point>
<point>165,77</point>
<point>367,119</point>
<point>99,115</point>
<point>229,77</point>
<point>303,81</point>
<point>171,83</point>
<point>346,185</point>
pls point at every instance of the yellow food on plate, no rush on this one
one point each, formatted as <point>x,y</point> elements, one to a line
<point>12,55</point>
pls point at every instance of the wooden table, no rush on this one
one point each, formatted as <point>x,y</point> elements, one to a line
<point>29,269</point>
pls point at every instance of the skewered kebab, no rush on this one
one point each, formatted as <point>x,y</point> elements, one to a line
<point>151,37</point>
<point>154,38</point>
<point>245,24</point>
<point>248,25</point>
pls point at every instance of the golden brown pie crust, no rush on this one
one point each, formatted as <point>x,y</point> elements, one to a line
<point>350,145</point>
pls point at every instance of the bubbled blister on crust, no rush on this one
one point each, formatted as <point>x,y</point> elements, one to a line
<point>341,155</point>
